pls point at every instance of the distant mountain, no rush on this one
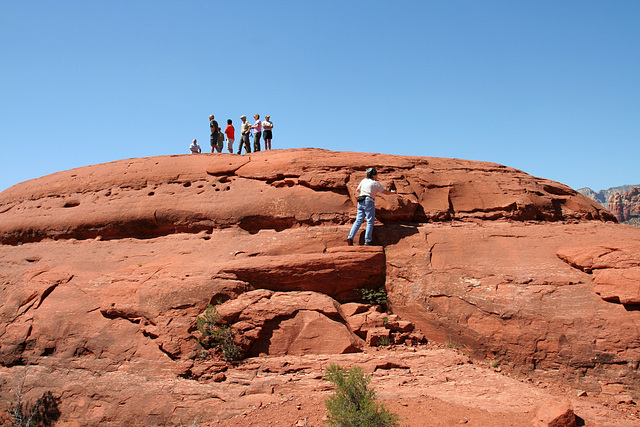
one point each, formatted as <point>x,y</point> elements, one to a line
<point>602,196</point>
<point>623,202</point>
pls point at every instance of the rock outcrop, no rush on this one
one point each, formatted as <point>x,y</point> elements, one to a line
<point>626,206</point>
<point>104,271</point>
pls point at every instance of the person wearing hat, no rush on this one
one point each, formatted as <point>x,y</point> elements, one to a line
<point>245,130</point>
<point>368,188</point>
<point>257,132</point>
<point>267,125</point>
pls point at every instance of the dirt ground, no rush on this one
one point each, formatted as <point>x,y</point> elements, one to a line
<point>425,387</point>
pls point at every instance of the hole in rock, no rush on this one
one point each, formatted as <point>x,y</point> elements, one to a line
<point>71,204</point>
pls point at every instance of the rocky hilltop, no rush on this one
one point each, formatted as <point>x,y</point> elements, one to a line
<point>105,270</point>
<point>626,206</point>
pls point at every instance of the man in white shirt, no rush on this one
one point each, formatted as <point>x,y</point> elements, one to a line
<point>195,148</point>
<point>368,188</point>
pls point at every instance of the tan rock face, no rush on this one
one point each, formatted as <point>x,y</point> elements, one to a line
<point>105,269</point>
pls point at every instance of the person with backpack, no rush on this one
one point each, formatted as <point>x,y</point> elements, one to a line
<point>220,144</point>
<point>368,188</point>
<point>214,133</point>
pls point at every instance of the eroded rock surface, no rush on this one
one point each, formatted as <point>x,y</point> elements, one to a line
<point>272,190</point>
<point>105,269</point>
<point>626,206</point>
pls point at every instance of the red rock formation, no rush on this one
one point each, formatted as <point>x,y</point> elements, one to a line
<point>626,207</point>
<point>104,269</point>
<point>277,190</point>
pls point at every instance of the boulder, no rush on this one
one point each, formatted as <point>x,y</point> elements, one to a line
<point>280,323</point>
<point>556,413</point>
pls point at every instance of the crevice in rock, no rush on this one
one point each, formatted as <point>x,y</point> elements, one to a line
<point>168,353</point>
<point>46,293</point>
<point>113,313</point>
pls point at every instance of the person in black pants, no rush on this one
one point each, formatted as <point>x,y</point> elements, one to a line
<point>245,130</point>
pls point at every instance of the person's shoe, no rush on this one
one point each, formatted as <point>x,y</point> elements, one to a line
<point>349,242</point>
<point>368,243</point>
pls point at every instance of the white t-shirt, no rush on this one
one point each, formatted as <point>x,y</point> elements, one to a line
<point>370,187</point>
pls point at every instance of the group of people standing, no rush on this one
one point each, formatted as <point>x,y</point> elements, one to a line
<point>368,187</point>
<point>261,130</point>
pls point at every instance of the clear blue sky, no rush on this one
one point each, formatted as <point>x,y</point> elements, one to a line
<point>548,87</point>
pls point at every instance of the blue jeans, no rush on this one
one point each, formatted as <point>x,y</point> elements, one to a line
<point>366,208</point>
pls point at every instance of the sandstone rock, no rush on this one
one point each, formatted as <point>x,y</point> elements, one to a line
<point>288,323</point>
<point>556,413</point>
<point>626,206</point>
<point>378,336</point>
<point>117,261</point>
<point>615,268</point>
<point>351,308</point>
<point>137,197</point>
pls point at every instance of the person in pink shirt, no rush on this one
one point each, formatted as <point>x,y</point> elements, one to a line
<point>257,133</point>
<point>230,131</point>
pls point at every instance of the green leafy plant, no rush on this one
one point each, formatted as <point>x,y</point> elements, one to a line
<point>384,341</point>
<point>374,296</point>
<point>451,344</point>
<point>354,402</point>
<point>216,335</point>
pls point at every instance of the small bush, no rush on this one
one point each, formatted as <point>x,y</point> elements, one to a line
<point>374,296</point>
<point>354,402</point>
<point>384,341</point>
<point>43,413</point>
<point>216,335</point>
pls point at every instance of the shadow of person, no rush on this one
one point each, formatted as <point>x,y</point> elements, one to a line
<point>389,234</point>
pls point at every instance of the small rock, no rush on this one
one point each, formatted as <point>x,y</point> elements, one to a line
<point>555,413</point>
<point>625,398</point>
<point>582,393</point>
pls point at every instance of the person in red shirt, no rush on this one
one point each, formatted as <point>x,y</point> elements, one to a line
<point>230,131</point>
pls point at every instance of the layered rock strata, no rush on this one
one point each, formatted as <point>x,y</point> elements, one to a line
<point>106,268</point>
<point>626,206</point>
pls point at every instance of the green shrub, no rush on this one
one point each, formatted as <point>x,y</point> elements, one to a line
<point>216,335</point>
<point>354,402</point>
<point>384,341</point>
<point>374,296</point>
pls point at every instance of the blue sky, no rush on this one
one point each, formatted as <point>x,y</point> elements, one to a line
<point>548,87</point>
